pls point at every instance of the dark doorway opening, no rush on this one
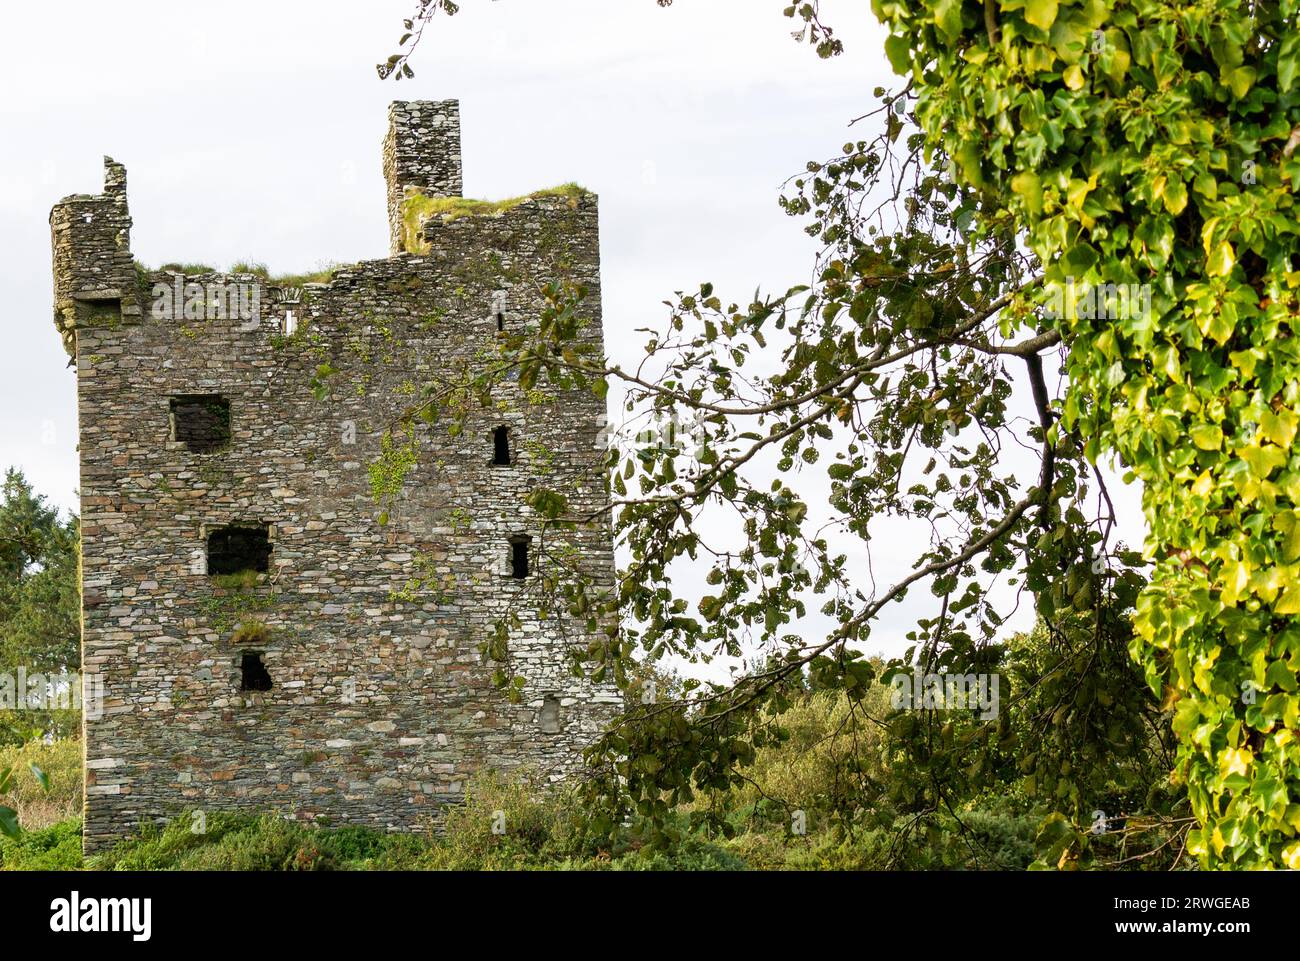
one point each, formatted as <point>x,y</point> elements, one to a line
<point>253,675</point>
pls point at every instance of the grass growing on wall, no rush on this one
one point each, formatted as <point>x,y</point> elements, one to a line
<point>321,275</point>
<point>417,209</point>
<point>238,581</point>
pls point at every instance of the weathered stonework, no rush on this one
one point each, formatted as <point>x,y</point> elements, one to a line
<point>422,152</point>
<point>381,704</point>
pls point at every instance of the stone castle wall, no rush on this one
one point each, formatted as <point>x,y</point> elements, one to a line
<point>381,703</point>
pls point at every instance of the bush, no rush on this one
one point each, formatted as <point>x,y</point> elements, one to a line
<point>829,757</point>
<point>230,842</point>
<point>691,854</point>
<point>505,823</point>
<point>519,822</point>
<point>53,848</point>
<point>60,761</point>
<point>985,840</point>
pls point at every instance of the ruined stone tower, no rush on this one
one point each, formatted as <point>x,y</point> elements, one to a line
<point>264,638</point>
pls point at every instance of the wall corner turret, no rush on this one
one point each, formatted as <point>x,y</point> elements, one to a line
<point>94,270</point>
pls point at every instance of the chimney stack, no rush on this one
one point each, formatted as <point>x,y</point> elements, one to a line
<point>421,151</point>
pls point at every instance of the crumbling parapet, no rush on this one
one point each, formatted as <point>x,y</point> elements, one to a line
<point>94,271</point>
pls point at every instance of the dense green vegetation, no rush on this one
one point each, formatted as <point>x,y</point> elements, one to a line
<point>837,777</point>
<point>544,831</point>
<point>40,603</point>
<point>1153,144</point>
<point>40,805</point>
<point>826,790</point>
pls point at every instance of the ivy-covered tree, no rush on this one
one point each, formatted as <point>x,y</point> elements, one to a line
<point>1143,142</point>
<point>791,424</point>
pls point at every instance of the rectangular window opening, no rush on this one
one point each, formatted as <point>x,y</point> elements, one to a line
<point>549,716</point>
<point>201,422</point>
<point>253,675</point>
<point>239,552</point>
<point>501,446</point>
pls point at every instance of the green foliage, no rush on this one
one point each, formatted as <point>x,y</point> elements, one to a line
<point>9,826</point>
<point>826,759</point>
<point>40,784</point>
<point>230,842</point>
<point>53,848</point>
<point>175,268</point>
<point>232,607</point>
<point>507,822</point>
<point>1111,179</point>
<point>1150,142</point>
<point>388,472</point>
<point>322,275</point>
<point>866,807</point>
<point>504,824</point>
<point>886,381</point>
<point>988,840</point>
<point>40,602</point>
<point>54,794</point>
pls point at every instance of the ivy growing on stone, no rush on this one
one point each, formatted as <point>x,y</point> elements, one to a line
<point>1143,142</point>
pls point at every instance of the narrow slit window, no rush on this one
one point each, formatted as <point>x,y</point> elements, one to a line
<point>519,559</point>
<point>499,309</point>
<point>239,551</point>
<point>501,446</point>
<point>549,716</point>
<point>253,675</point>
<point>201,422</point>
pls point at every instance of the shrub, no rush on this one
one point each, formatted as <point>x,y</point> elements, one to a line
<point>238,581</point>
<point>60,761</point>
<point>53,848</point>
<point>535,824</point>
<point>230,842</point>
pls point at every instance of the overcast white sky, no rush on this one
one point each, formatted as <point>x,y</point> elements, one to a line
<point>251,131</point>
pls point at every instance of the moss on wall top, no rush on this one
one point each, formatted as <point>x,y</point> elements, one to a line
<point>418,209</point>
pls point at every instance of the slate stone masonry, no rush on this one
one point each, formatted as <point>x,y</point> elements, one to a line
<point>380,703</point>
